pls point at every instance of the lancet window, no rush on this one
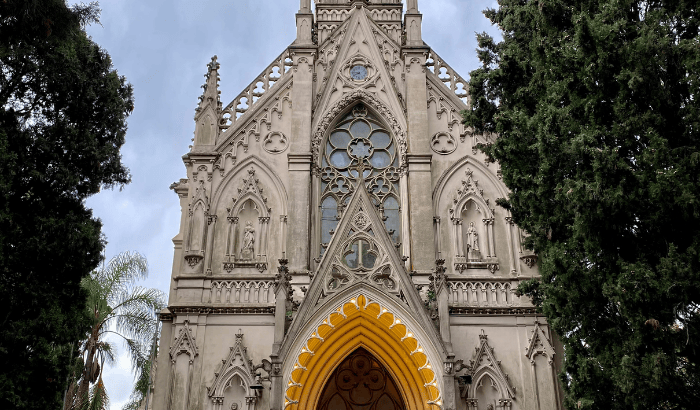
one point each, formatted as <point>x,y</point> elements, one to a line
<point>360,145</point>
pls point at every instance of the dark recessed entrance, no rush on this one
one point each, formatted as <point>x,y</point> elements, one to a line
<point>361,383</point>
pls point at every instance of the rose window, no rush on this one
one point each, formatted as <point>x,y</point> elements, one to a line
<point>360,143</point>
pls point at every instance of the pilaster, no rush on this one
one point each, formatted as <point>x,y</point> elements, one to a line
<point>421,212</point>
<point>300,157</point>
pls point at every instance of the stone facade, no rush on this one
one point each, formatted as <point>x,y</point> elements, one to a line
<point>338,213</point>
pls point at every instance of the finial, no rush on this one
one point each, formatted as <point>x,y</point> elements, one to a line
<point>211,93</point>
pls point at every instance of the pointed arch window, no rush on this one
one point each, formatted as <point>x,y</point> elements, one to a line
<point>359,143</point>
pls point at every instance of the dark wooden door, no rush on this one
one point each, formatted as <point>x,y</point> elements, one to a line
<point>361,383</point>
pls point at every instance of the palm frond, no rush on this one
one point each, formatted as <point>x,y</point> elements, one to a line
<point>106,351</point>
<point>99,400</point>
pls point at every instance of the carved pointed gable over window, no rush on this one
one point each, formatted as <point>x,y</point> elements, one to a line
<point>184,344</point>
<point>486,373</point>
<point>539,344</point>
<point>236,364</point>
<point>360,250</point>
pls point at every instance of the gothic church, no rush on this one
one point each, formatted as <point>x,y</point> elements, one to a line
<point>340,246</point>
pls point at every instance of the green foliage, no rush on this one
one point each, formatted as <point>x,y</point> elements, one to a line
<point>116,306</point>
<point>63,113</point>
<point>596,104</point>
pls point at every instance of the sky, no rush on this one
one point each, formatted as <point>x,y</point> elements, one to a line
<point>162,47</point>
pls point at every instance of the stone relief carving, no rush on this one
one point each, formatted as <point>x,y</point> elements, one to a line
<point>248,249</point>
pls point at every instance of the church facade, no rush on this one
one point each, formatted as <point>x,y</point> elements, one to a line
<point>340,244</point>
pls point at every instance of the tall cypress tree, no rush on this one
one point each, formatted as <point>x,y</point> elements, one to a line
<point>596,107</point>
<point>63,111</point>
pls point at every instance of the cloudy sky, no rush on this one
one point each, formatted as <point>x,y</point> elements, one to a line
<point>162,47</point>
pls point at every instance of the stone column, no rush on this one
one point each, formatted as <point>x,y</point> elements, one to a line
<point>211,228</point>
<point>459,237</point>
<point>419,178</point>
<point>305,22</point>
<point>282,285</point>
<point>160,384</point>
<point>438,241</point>
<point>300,157</point>
<point>413,21</point>
<point>511,244</point>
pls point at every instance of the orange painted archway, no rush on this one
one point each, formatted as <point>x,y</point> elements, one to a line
<point>362,323</point>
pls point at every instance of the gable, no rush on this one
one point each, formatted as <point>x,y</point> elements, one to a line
<point>361,255</point>
<point>358,42</point>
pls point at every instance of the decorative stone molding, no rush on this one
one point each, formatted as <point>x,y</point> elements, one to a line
<point>202,310</point>
<point>475,293</point>
<point>242,291</point>
<point>496,311</point>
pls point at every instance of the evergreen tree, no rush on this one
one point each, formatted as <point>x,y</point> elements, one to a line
<point>596,106</point>
<point>63,111</point>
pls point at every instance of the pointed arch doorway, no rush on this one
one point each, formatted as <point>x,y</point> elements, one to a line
<point>361,382</point>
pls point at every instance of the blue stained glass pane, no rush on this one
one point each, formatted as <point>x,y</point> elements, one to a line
<point>380,159</point>
<point>329,213</point>
<point>380,139</point>
<point>376,125</point>
<point>391,149</point>
<point>360,129</point>
<point>340,139</point>
<point>340,159</point>
<point>393,221</point>
<point>360,149</point>
<point>351,258</point>
<point>368,259</point>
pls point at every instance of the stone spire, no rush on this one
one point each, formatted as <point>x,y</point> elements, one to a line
<point>211,93</point>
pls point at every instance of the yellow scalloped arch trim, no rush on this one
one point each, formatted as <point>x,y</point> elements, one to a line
<point>361,322</point>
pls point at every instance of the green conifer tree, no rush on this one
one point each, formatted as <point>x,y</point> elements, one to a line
<point>596,107</point>
<point>63,111</point>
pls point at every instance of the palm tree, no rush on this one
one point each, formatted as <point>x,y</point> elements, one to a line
<point>116,305</point>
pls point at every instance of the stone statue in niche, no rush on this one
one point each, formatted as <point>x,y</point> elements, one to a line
<point>473,243</point>
<point>234,406</point>
<point>247,251</point>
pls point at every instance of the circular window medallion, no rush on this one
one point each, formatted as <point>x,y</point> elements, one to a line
<point>275,143</point>
<point>443,143</point>
<point>358,72</point>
